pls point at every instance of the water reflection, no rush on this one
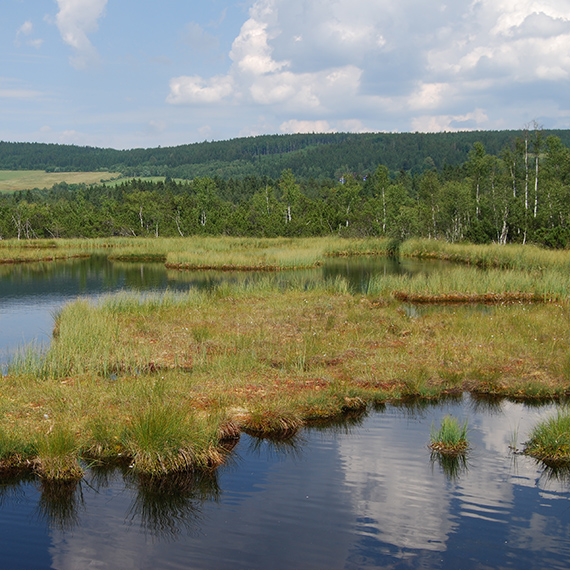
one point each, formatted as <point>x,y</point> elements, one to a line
<point>167,506</point>
<point>60,504</point>
<point>559,474</point>
<point>283,448</point>
<point>453,466</point>
<point>367,495</point>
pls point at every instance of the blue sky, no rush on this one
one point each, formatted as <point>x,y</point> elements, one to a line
<point>142,73</point>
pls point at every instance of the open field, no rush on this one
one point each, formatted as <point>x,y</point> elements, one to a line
<point>145,178</point>
<point>13,180</point>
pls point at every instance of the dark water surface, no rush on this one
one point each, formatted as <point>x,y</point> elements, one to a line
<point>365,494</point>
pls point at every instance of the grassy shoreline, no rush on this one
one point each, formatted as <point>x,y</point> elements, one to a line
<point>162,381</point>
<point>167,382</point>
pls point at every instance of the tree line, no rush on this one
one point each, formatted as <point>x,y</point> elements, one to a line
<point>319,156</point>
<point>519,194</point>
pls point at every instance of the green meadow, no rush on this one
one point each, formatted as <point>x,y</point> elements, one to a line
<point>14,180</point>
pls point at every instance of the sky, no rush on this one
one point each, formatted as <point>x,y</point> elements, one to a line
<point>142,73</point>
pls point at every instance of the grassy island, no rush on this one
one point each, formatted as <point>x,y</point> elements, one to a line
<point>550,440</point>
<point>450,438</point>
<point>167,382</point>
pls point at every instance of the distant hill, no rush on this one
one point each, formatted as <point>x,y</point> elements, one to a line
<point>307,155</point>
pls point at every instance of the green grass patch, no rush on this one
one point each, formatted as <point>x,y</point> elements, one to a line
<point>14,180</point>
<point>450,438</point>
<point>550,439</point>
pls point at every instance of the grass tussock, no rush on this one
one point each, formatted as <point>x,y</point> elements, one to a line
<point>273,422</point>
<point>161,439</point>
<point>58,454</point>
<point>450,438</point>
<point>550,440</point>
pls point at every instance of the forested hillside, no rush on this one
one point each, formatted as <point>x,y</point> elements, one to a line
<point>519,193</point>
<point>308,156</point>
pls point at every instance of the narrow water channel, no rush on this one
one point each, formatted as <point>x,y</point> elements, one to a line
<point>362,494</point>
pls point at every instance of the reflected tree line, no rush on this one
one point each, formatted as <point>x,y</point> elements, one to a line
<point>520,195</point>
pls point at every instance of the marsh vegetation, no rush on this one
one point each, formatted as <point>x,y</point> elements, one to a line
<point>450,438</point>
<point>550,439</point>
<point>166,382</point>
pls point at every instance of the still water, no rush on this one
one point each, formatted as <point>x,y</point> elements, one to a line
<point>364,494</point>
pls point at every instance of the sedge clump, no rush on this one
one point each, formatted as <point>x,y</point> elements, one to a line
<point>450,438</point>
<point>550,439</point>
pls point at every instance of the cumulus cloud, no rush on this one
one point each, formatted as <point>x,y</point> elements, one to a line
<point>75,20</point>
<point>348,126</point>
<point>251,51</point>
<point>294,126</point>
<point>258,78</point>
<point>516,41</point>
<point>390,64</point>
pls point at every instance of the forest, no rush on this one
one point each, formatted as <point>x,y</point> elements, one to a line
<point>318,156</point>
<point>517,189</point>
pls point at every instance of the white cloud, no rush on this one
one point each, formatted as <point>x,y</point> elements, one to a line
<point>437,123</point>
<point>37,43</point>
<point>295,126</point>
<point>195,89</point>
<point>299,126</point>
<point>155,127</point>
<point>75,20</point>
<point>251,51</point>
<point>256,77</point>
<point>528,41</point>
<point>452,65</point>
<point>429,95</point>
<point>353,126</point>
<point>26,28</point>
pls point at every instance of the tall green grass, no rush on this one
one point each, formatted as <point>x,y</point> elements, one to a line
<point>163,439</point>
<point>548,284</point>
<point>510,256</point>
<point>158,379</point>
<point>58,454</point>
